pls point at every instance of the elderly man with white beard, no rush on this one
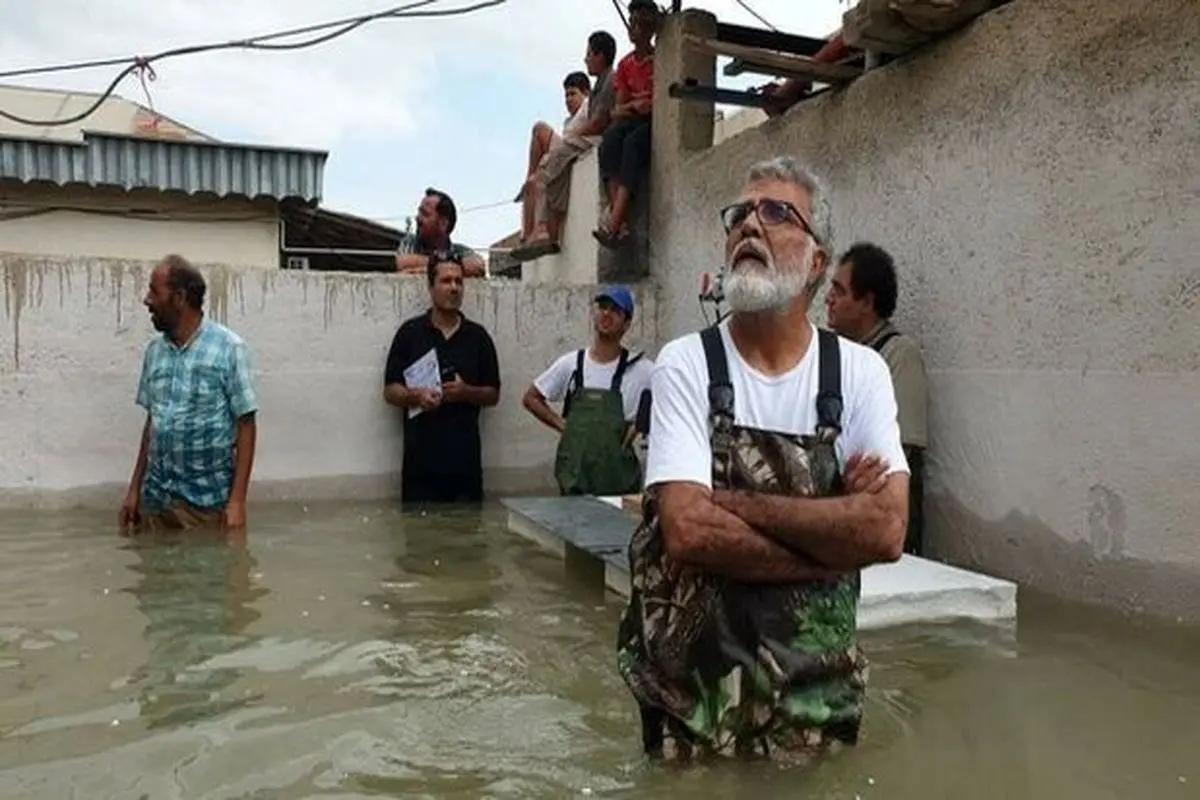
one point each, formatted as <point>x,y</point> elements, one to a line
<point>774,475</point>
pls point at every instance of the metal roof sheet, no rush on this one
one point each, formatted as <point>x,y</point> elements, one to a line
<point>129,162</point>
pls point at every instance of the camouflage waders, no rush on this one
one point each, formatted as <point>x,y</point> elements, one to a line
<point>593,455</point>
<point>726,667</point>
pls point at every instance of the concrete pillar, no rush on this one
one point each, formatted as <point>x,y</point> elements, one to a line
<point>680,127</point>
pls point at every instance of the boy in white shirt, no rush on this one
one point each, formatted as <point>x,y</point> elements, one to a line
<point>576,91</point>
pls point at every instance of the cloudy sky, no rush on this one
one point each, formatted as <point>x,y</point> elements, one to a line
<point>399,104</point>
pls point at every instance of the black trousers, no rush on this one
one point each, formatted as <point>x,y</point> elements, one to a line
<point>914,542</point>
<point>417,490</point>
<point>625,152</point>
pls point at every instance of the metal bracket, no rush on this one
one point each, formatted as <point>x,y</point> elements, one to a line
<point>692,90</point>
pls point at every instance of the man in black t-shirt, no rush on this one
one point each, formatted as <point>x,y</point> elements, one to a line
<point>443,461</point>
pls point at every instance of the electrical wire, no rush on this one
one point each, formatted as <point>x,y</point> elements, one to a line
<point>142,64</point>
<point>749,10</point>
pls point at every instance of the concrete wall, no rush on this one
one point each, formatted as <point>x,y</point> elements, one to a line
<point>44,220</point>
<point>731,123</point>
<point>582,259</point>
<point>576,263</point>
<point>74,330</point>
<point>1036,178</point>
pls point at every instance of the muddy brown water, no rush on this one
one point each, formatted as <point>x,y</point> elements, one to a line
<point>350,651</point>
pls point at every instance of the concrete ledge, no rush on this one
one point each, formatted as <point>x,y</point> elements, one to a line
<point>912,590</point>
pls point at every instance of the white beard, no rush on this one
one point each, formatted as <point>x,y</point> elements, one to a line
<point>756,288</point>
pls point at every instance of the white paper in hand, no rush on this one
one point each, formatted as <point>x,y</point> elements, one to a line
<point>424,373</point>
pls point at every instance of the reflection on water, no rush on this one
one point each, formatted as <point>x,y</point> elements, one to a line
<point>196,595</point>
<point>354,651</point>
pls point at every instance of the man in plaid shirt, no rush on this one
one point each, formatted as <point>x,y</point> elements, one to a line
<point>197,449</point>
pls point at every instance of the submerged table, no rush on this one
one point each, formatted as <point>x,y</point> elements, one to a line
<point>593,533</point>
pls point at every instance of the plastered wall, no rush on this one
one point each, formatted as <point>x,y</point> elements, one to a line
<point>1037,177</point>
<point>80,221</point>
<point>74,329</point>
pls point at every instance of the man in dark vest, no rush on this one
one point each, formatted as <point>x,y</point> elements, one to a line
<point>860,301</point>
<point>774,475</point>
<point>601,388</point>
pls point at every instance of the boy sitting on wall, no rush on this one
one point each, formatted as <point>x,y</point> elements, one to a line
<point>625,149</point>
<point>544,139</point>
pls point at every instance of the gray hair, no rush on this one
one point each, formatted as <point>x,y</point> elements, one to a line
<point>789,170</point>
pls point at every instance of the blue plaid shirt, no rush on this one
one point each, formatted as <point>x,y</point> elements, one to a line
<point>194,395</point>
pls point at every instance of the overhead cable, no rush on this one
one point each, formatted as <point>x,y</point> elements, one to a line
<point>749,10</point>
<point>142,64</point>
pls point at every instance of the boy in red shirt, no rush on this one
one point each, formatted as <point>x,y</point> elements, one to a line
<point>625,149</point>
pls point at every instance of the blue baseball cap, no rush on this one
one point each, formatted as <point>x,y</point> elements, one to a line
<point>619,296</point>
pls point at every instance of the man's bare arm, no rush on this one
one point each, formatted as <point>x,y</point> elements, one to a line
<point>247,435</point>
<point>535,403</point>
<point>597,125</point>
<point>412,262</point>
<point>399,395</point>
<point>473,267</point>
<point>139,465</point>
<point>841,533</point>
<point>483,396</point>
<point>698,533</point>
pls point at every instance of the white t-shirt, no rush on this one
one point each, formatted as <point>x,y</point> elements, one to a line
<point>678,447</point>
<point>554,381</point>
<point>576,122</point>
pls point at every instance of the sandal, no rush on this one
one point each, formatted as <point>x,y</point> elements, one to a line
<point>534,249</point>
<point>609,239</point>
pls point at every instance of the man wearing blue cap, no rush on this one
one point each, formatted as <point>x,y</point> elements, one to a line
<point>600,388</point>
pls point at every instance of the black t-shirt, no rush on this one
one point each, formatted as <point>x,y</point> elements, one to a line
<point>444,441</point>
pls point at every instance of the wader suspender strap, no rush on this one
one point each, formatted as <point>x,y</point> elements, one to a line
<point>887,337</point>
<point>619,374</point>
<point>720,390</point>
<point>829,381</point>
<point>575,382</point>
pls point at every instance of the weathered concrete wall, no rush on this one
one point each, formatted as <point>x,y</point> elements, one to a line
<point>74,330</point>
<point>75,221</point>
<point>1036,178</point>
<point>582,259</point>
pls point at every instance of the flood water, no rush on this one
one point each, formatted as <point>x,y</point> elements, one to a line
<point>351,651</point>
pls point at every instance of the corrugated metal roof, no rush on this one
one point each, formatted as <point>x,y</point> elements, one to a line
<point>129,162</point>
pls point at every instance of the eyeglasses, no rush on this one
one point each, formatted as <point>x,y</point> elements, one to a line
<point>772,212</point>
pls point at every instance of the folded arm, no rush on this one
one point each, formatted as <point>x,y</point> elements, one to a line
<point>841,533</point>
<point>698,532</point>
<point>695,530</point>
<point>856,530</point>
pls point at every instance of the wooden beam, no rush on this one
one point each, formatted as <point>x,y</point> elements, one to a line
<point>768,62</point>
<point>768,40</point>
<point>738,66</point>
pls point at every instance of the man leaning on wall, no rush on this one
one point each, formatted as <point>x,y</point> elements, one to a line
<point>860,302</point>
<point>196,386</point>
<point>437,217</point>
